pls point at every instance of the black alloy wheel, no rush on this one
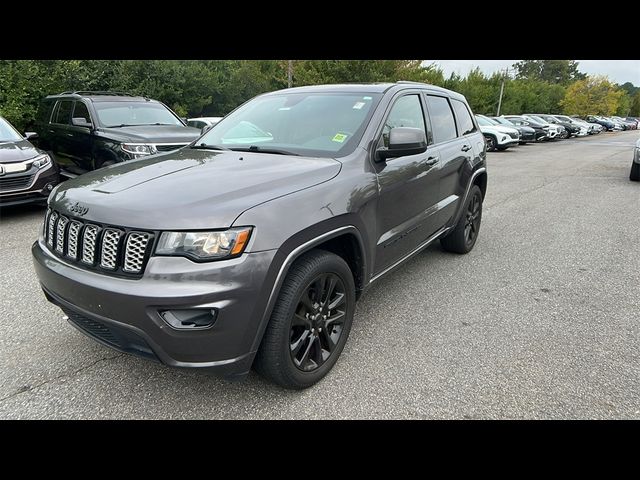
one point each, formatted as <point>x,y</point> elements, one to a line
<point>472,223</point>
<point>464,235</point>
<point>310,322</point>
<point>318,322</point>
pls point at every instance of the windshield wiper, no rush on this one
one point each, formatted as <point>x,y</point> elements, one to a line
<point>136,125</point>
<point>256,148</point>
<point>204,146</point>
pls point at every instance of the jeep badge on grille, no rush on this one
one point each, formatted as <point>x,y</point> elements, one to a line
<point>78,209</point>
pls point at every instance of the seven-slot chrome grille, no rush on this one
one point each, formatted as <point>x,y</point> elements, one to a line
<point>95,246</point>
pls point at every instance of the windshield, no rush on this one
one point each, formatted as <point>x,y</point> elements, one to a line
<point>314,124</point>
<point>562,118</point>
<point>537,119</point>
<point>120,114</point>
<point>484,122</point>
<point>7,132</point>
<point>504,121</point>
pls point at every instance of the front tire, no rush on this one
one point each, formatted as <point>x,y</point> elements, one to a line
<point>463,237</point>
<point>491,143</point>
<point>310,322</point>
<point>634,176</point>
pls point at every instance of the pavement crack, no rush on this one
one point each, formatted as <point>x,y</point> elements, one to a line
<point>30,388</point>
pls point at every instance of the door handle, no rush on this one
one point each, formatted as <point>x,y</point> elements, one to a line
<point>466,148</point>
<point>432,160</point>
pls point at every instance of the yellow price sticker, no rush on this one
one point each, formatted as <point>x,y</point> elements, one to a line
<point>339,137</point>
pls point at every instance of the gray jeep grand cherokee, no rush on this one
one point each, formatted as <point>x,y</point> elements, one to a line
<point>251,245</point>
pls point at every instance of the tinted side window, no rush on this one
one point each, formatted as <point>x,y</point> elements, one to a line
<point>442,121</point>
<point>465,123</point>
<point>63,114</point>
<point>81,111</point>
<point>406,112</point>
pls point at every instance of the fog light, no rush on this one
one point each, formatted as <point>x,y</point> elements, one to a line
<point>190,319</point>
<point>49,186</point>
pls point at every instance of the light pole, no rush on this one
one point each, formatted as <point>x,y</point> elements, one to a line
<point>506,73</point>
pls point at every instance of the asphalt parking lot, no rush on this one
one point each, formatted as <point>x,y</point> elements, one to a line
<point>540,320</point>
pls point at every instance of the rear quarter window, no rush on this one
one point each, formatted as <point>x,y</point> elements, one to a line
<point>44,111</point>
<point>463,117</point>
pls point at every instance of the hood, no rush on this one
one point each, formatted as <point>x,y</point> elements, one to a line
<point>499,129</point>
<point>19,151</point>
<point>525,129</point>
<point>189,189</point>
<point>152,133</point>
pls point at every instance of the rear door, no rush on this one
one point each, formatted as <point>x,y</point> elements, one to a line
<point>454,152</point>
<point>408,187</point>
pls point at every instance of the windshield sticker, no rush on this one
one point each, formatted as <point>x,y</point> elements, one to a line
<point>339,137</point>
<point>366,98</point>
<point>284,108</point>
<point>358,105</point>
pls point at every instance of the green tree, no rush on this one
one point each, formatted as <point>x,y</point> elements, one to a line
<point>594,95</point>
<point>314,72</point>
<point>635,106</point>
<point>630,88</point>
<point>552,71</point>
<point>624,104</point>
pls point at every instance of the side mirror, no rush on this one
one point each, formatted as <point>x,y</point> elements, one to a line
<point>81,122</point>
<point>205,129</point>
<point>403,141</point>
<point>30,135</point>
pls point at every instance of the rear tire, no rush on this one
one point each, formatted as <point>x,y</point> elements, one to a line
<point>308,330</point>
<point>463,237</point>
<point>634,176</point>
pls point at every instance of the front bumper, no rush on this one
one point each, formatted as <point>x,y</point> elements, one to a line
<point>124,313</point>
<point>502,142</point>
<point>35,192</point>
<point>636,155</point>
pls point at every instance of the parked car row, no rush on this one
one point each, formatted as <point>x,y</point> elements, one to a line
<point>508,130</point>
<point>615,123</point>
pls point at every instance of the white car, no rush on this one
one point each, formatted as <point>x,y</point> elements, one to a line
<point>498,137</point>
<point>553,131</point>
<point>203,123</point>
<point>592,128</point>
<point>584,128</point>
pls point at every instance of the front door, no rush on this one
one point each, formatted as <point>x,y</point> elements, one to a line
<point>408,188</point>
<point>80,138</point>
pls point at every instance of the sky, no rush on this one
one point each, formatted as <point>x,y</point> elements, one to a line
<point>619,71</point>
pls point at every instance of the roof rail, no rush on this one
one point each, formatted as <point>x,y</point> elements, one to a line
<point>411,82</point>
<point>97,92</point>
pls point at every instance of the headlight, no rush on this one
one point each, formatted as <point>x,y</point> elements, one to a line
<point>204,245</point>
<point>138,148</point>
<point>42,161</point>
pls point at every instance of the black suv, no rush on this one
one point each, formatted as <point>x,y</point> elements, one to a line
<point>88,130</point>
<point>252,246</point>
